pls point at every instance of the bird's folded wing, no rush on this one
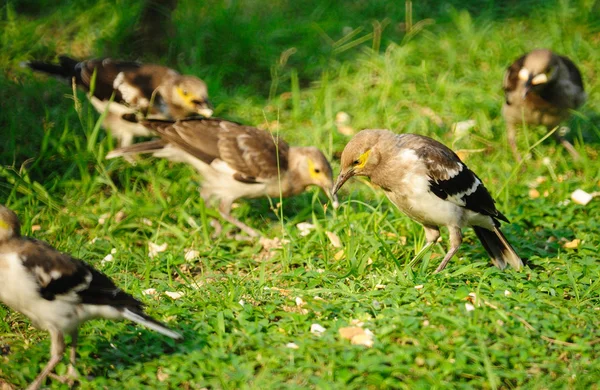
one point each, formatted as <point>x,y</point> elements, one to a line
<point>250,152</point>
<point>574,73</point>
<point>107,71</point>
<point>60,275</point>
<point>451,180</point>
<point>511,76</point>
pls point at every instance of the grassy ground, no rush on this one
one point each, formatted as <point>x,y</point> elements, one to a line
<point>537,328</point>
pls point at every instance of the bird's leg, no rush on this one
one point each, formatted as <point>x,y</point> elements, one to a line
<point>57,348</point>
<point>455,241</point>
<point>432,234</point>
<point>567,145</point>
<point>224,210</point>
<point>511,132</point>
<point>72,372</point>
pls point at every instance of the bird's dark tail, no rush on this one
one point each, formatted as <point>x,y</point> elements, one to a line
<point>65,69</point>
<point>138,316</point>
<point>139,148</point>
<point>498,247</point>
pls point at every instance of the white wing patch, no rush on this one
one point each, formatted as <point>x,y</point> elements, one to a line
<point>131,94</point>
<point>459,198</point>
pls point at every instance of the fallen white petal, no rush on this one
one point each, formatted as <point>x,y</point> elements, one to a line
<point>469,307</point>
<point>242,302</point>
<point>174,294</point>
<point>300,302</point>
<point>507,293</point>
<point>191,254</point>
<point>155,249</point>
<point>419,287</point>
<point>107,259</point>
<point>581,197</point>
<point>292,346</point>
<point>316,329</point>
<point>305,228</point>
<point>149,291</point>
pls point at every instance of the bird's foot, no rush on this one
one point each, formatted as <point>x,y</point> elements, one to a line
<point>216,225</point>
<point>69,378</point>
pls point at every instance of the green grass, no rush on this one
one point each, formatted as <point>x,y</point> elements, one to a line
<point>543,333</point>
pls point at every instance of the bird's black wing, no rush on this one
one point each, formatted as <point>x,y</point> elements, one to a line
<point>450,179</point>
<point>59,274</point>
<point>574,73</point>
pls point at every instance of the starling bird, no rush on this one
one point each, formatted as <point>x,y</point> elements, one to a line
<point>58,292</point>
<point>540,88</point>
<point>153,91</point>
<point>236,161</point>
<point>430,184</point>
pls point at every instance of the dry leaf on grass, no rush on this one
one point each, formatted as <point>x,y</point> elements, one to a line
<point>161,376</point>
<point>533,193</point>
<point>357,335</point>
<point>339,255</point>
<point>469,307</point>
<point>155,249</point>
<point>269,244</point>
<point>149,291</point>
<point>191,254</point>
<point>335,240</point>
<point>573,244</point>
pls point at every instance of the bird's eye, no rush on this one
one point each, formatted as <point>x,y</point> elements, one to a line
<point>355,162</point>
<point>317,170</point>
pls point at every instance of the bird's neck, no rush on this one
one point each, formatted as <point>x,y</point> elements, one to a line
<point>290,181</point>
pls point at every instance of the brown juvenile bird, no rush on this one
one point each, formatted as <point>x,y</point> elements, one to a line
<point>58,292</point>
<point>541,88</point>
<point>430,184</point>
<point>236,161</point>
<point>153,91</point>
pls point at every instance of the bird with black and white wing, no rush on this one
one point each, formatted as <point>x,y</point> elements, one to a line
<point>58,292</point>
<point>429,183</point>
<point>236,161</point>
<point>540,89</point>
<point>127,87</point>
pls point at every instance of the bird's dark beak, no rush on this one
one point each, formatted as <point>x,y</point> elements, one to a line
<point>204,108</point>
<point>342,178</point>
<point>527,87</point>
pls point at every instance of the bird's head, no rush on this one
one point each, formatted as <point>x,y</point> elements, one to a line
<point>539,69</point>
<point>9,224</point>
<point>192,94</point>
<point>360,156</point>
<point>314,169</point>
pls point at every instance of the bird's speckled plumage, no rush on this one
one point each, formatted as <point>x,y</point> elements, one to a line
<point>430,184</point>
<point>236,161</point>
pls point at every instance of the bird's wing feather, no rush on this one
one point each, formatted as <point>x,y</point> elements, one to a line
<point>250,152</point>
<point>511,77</point>
<point>59,274</point>
<point>574,73</point>
<point>107,70</point>
<point>450,179</point>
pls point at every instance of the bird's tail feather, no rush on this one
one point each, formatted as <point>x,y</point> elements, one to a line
<point>498,247</point>
<point>150,323</point>
<point>65,69</point>
<point>139,148</point>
